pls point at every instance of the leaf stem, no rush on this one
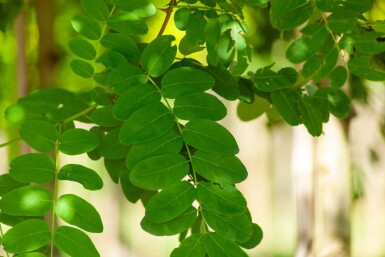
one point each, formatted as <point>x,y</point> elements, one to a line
<point>79,114</point>
<point>167,18</point>
<point>2,234</point>
<point>10,142</point>
<point>55,192</point>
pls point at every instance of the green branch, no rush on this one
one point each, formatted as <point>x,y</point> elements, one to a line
<point>10,142</point>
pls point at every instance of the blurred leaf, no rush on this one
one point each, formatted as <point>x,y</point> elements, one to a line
<point>112,59</point>
<point>81,174</point>
<point>379,26</point>
<point>82,68</point>
<point>248,112</point>
<point>26,236</point>
<point>139,8</point>
<point>82,48</point>
<point>127,25</point>
<point>32,167</point>
<point>86,26</point>
<point>77,141</point>
<point>111,148</point>
<point>288,15</point>
<point>8,183</point>
<point>100,96</point>
<point>364,67</point>
<point>193,246</point>
<point>195,28</point>
<point>159,171</point>
<point>34,254</point>
<point>255,239</point>
<point>181,17</point>
<point>338,5</point>
<point>370,42</point>
<point>338,77</point>
<point>97,9</point>
<point>343,22</point>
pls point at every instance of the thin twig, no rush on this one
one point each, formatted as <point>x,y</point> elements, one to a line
<point>167,18</point>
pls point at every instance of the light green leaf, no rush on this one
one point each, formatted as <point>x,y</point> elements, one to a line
<point>338,77</point>
<point>236,227</point>
<point>8,183</point>
<point>193,246</point>
<point>169,143</point>
<point>74,242</point>
<point>343,22</point>
<point>172,227</point>
<point>77,141</point>
<point>370,42</point>
<point>226,200</point>
<point>78,212</point>
<point>82,68</point>
<point>27,201</point>
<point>139,8</point>
<point>225,84</point>
<point>267,80</point>
<point>185,81</point>
<point>365,67</point>
<point>216,245</point>
<point>285,101</point>
<point>219,168</point>
<point>146,124</point>
<point>26,236</point>
<point>158,56</point>
<point>287,15</point>
<point>82,48</point>
<point>379,26</point>
<point>40,135</point>
<point>81,174</point>
<point>134,98</point>
<point>97,9</point>
<point>311,115</point>
<point>124,77</point>
<point>209,136</point>
<point>170,202</point>
<point>34,254</point>
<point>122,44</point>
<point>255,238</point>
<point>103,117</point>
<point>159,172</point>
<point>181,17</point>
<point>127,25</point>
<point>248,112</point>
<point>32,167</point>
<point>86,26</point>
<point>111,148</point>
<point>199,105</point>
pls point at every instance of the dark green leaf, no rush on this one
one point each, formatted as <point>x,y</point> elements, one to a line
<point>134,98</point>
<point>74,242</point>
<point>215,42</point>
<point>8,183</point>
<point>195,28</point>
<point>287,15</point>
<point>260,3</point>
<point>87,27</point>
<point>97,9</point>
<point>267,80</point>
<point>186,48</point>
<point>311,115</point>
<point>181,17</point>
<point>100,96</point>
<point>115,168</point>
<point>11,221</point>
<point>127,25</point>
<point>209,136</point>
<point>338,5</point>
<point>125,76</point>
<point>82,68</point>
<point>122,44</point>
<point>169,143</point>
<point>237,227</point>
<point>343,22</point>
<point>27,201</point>
<point>216,245</point>
<point>40,135</point>
<point>192,246</point>
<point>225,84</point>
<point>103,117</point>
<point>77,141</point>
<point>112,59</point>
<point>185,81</point>
<point>33,167</point>
<point>26,236</point>
<point>226,200</point>
<point>131,192</point>
<point>111,148</point>
<point>81,174</point>
<point>286,103</point>
<point>248,112</point>
<point>338,77</point>
<point>330,55</point>
<point>219,168</point>
<point>146,124</point>
<point>82,48</point>
<point>200,105</point>
<point>365,67</point>
<point>339,103</point>
<point>255,238</point>
<point>370,42</point>
<point>159,171</point>
<point>170,202</point>
<point>78,212</point>
<point>158,56</point>
<point>311,67</point>
<point>172,227</point>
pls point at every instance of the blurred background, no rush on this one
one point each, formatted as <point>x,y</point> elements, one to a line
<point>312,196</point>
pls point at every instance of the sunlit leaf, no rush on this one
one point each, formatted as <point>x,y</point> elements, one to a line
<point>32,254</point>
<point>81,174</point>
<point>139,8</point>
<point>127,25</point>
<point>77,141</point>
<point>86,26</point>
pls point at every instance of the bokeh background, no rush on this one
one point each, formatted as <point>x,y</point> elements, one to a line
<point>312,196</point>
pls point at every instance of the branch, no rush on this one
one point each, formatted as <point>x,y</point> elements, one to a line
<point>168,11</point>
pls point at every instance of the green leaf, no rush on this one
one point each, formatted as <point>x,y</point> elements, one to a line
<point>248,112</point>
<point>8,183</point>
<point>209,136</point>
<point>41,136</point>
<point>86,26</point>
<point>11,221</point>
<point>311,115</point>
<point>82,48</point>
<point>82,68</point>
<point>170,202</point>
<point>186,48</point>
<point>339,103</point>
<point>267,80</point>
<point>311,67</point>
<point>77,141</point>
<point>195,28</point>
<point>181,17</point>
<point>215,42</point>
<point>78,212</point>
<point>338,5</point>
<point>33,167</point>
<point>124,77</point>
<point>216,245</point>
<point>74,242</point>
<point>103,117</point>
<point>199,105</point>
<point>338,77</point>
<point>100,96</point>
<point>185,81</point>
<point>219,168</point>
<point>172,227</point>
<point>159,171</point>
<point>330,55</point>
<point>193,246</point>
<point>343,22</point>
<point>133,99</point>
<point>379,26</point>
<point>131,192</point>
<point>287,15</point>
<point>112,59</point>
<point>225,84</point>
<point>226,200</point>
<point>369,43</point>
<point>127,25</point>
<point>169,143</point>
<point>34,254</point>
<point>365,67</point>
<point>139,8</point>
<point>97,9</point>
<point>255,238</point>
<point>115,168</point>
<point>27,201</point>
<point>26,236</point>
<point>111,148</point>
<point>260,3</point>
<point>158,56</point>
<point>236,227</point>
<point>286,103</point>
<point>81,174</point>
<point>146,124</point>
<point>122,44</point>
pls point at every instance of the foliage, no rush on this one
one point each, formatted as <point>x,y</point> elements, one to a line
<point>155,121</point>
